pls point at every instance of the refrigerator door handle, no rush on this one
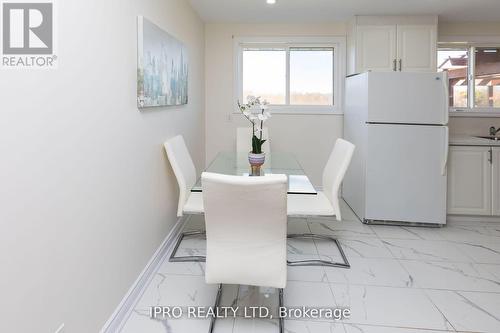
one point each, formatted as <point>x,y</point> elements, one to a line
<point>446,147</point>
<point>447,100</point>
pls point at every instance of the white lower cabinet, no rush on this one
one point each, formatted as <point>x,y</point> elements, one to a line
<point>495,177</point>
<point>470,180</point>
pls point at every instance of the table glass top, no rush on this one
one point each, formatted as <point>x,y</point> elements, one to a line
<point>232,163</point>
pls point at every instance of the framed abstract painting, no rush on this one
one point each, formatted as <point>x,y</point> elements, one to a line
<point>162,69</point>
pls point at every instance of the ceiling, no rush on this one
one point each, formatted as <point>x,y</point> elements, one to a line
<point>305,11</point>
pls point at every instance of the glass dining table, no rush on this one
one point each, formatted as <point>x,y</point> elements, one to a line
<point>233,163</point>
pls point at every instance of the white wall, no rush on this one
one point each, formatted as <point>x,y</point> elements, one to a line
<point>472,125</point>
<point>310,137</point>
<point>472,29</point>
<point>86,192</point>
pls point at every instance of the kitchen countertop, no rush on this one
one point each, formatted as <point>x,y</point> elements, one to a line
<point>469,140</point>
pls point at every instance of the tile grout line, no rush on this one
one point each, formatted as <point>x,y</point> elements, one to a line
<point>437,308</point>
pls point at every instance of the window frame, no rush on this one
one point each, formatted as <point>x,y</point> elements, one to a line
<point>338,74</point>
<point>471,109</point>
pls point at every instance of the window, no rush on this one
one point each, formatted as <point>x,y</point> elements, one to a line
<point>311,76</point>
<point>294,74</point>
<point>264,74</point>
<point>473,76</point>
<point>456,63</point>
<point>487,77</point>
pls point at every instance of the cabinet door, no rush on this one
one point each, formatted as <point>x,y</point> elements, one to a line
<point>495,175</point>
<point>375,47</point>
<point>469,180</point>
<point>417,48</point>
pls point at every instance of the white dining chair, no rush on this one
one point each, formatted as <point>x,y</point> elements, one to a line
<point>246,223</point>
<point>244,140</point>
<point>326,202</point>
<point>189,202</point>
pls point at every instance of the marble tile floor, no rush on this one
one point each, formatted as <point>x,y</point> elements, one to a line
<point>402,280</point>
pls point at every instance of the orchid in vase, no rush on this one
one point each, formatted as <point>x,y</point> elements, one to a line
<point>256,112</point>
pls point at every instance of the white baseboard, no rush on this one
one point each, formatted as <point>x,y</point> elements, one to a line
<point>60,329</point>
<point>122,312</point>
<point>472,219</point>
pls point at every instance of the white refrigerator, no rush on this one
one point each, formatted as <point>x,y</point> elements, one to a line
<point>397,120</point>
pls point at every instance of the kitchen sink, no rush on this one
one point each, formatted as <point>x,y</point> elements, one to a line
<point>488,137</point>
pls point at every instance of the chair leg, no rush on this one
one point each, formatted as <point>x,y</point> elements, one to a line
<point>216,306</point>
<point>173,258</point>
<point>217,303</point>
<point>317,262</point>
<point>282,324</point>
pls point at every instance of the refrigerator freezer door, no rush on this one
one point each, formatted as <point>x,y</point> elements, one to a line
<point>404,173</point>
<point>353,186</point>
<point>408,98</point>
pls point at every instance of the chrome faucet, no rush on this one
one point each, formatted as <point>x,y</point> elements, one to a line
<point>494,131</point>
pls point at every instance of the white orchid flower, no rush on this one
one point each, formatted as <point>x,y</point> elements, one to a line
<point>262,117</point>
<point>255,109</point>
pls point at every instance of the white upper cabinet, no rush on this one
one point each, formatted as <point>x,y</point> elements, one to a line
<point>416,48</point>
<point>392,43</point>
<point>376,47</point>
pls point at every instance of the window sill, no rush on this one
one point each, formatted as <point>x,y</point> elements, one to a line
<point>480,113</point>
<point>302,112</point>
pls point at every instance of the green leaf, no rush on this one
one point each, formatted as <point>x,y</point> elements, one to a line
<point>255,145</point>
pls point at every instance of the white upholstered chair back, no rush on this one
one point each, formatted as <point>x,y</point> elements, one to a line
<point>183,168</point>
<point>245,220</point>
<point>244,140</point>
<point>335,170</point>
